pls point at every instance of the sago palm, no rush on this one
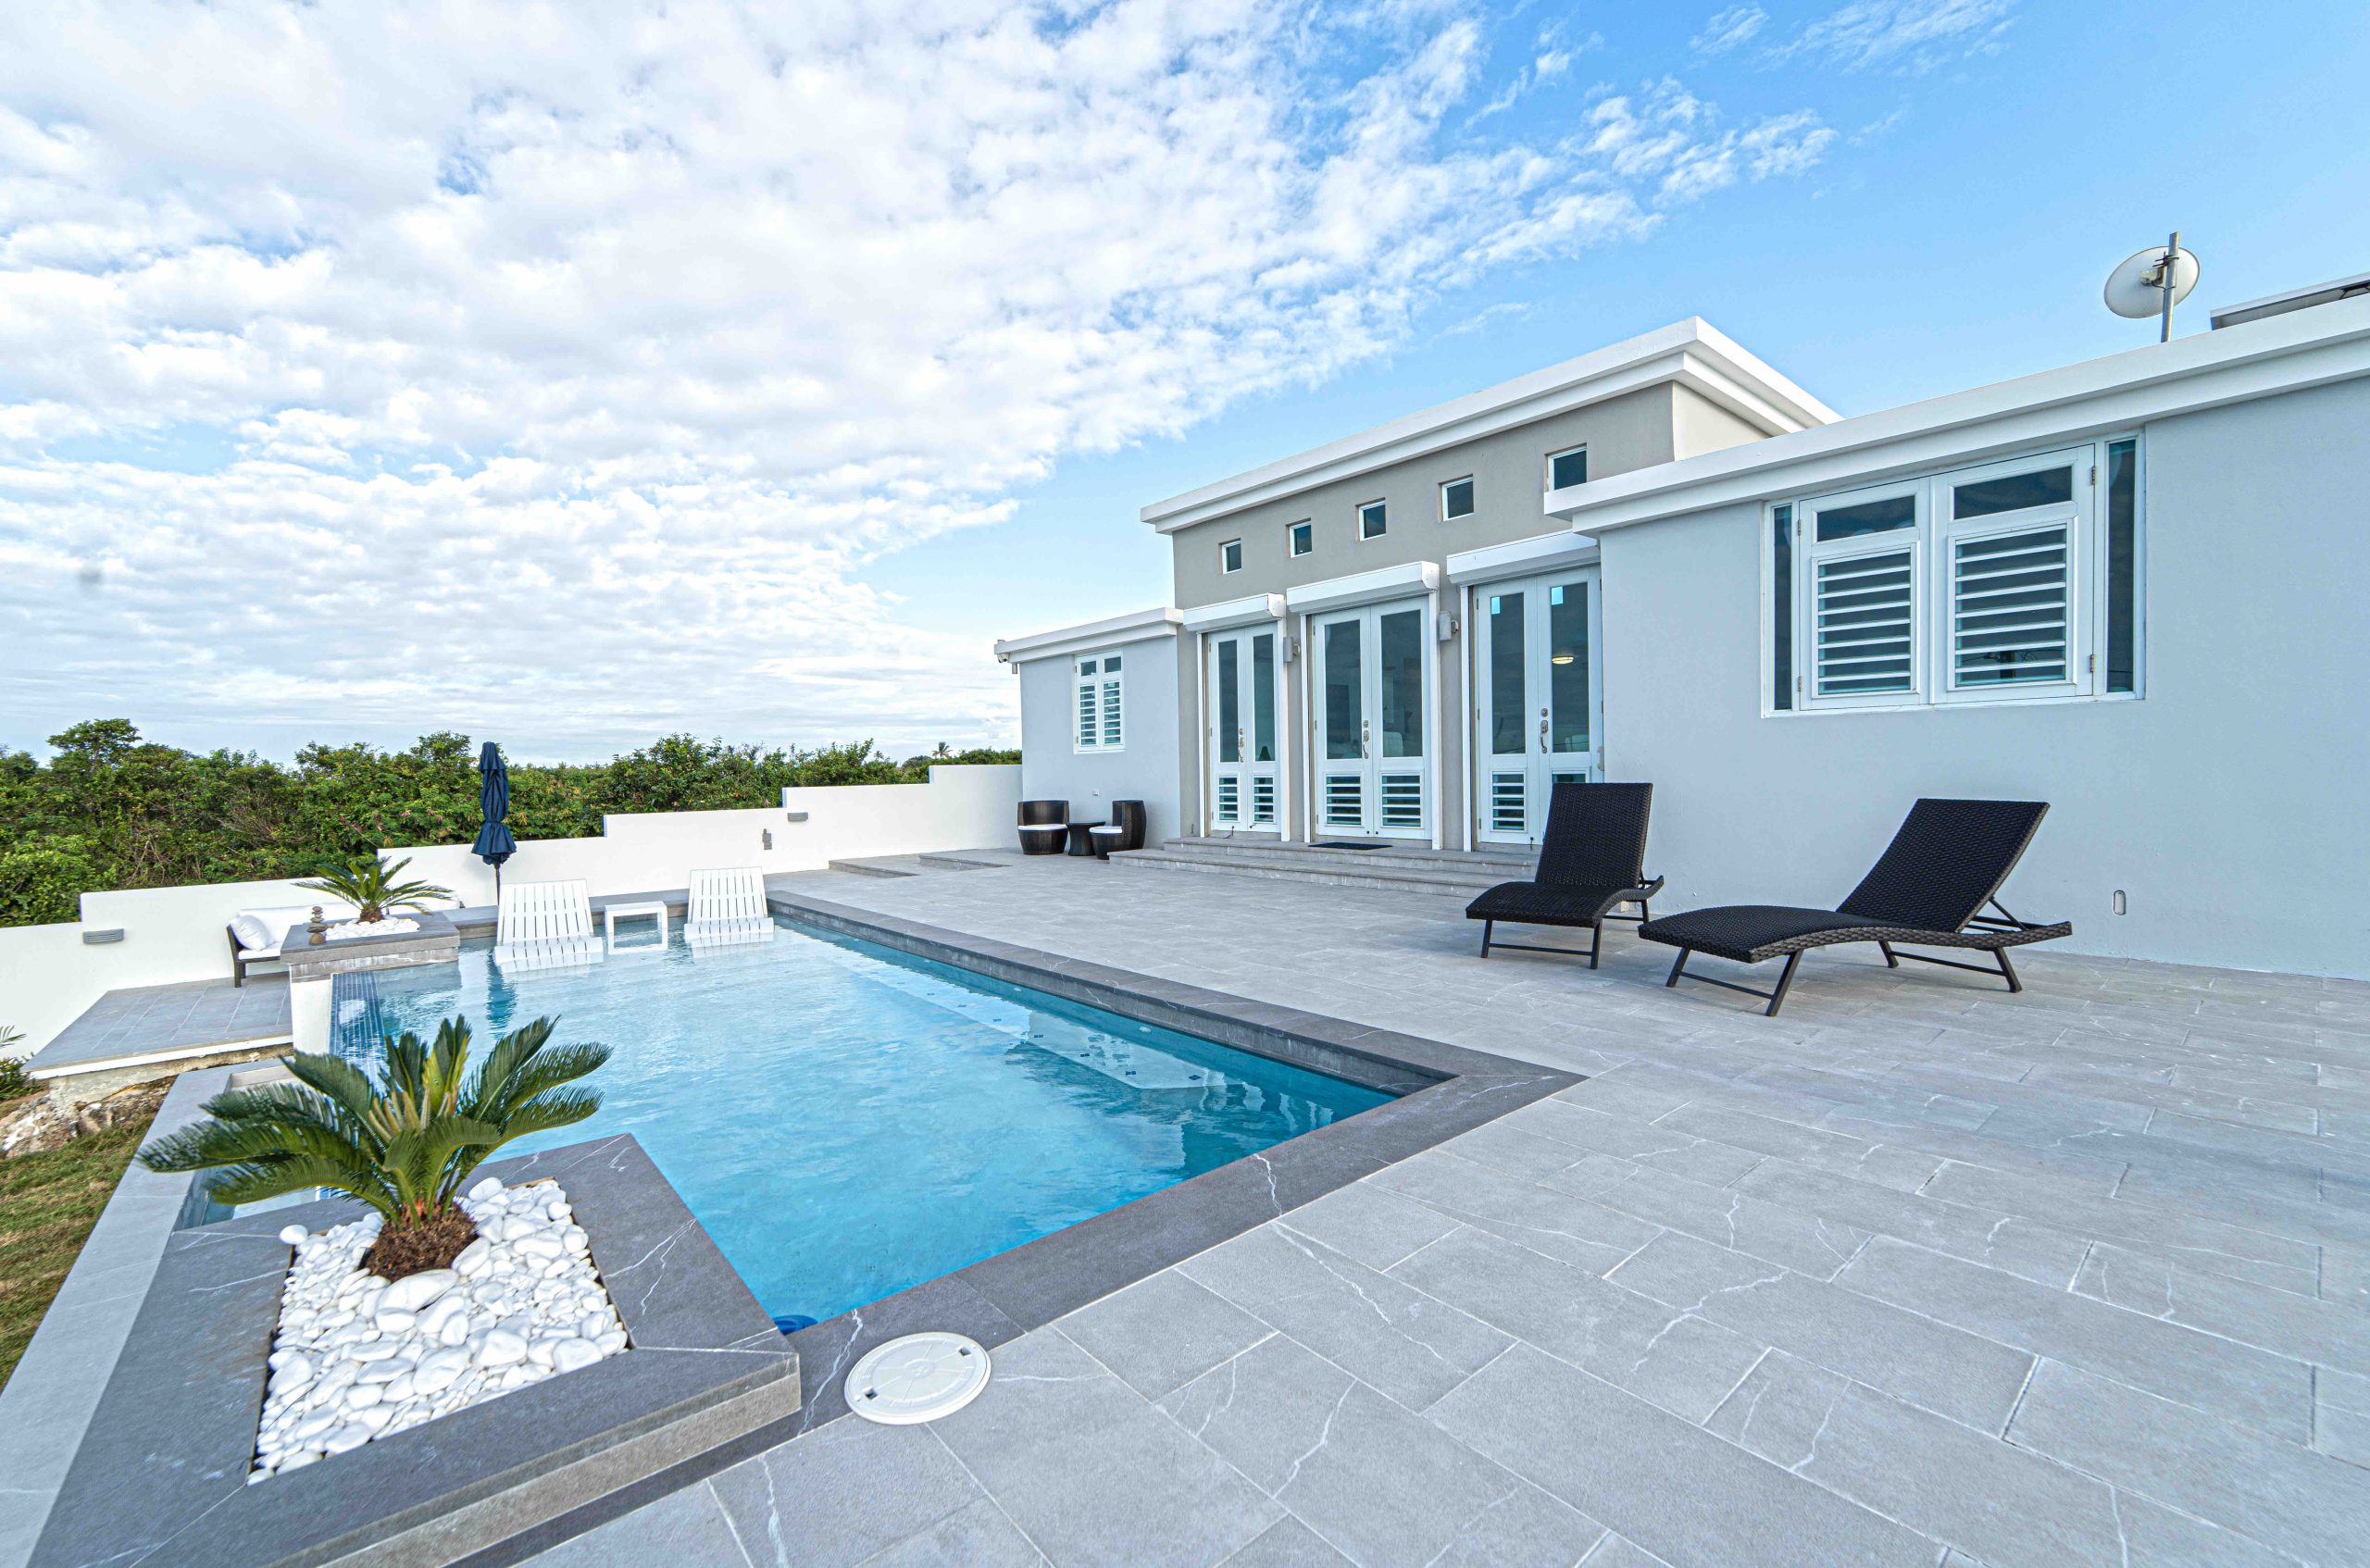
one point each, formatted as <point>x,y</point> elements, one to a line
<point>403,1145</point>
<point>369,884</point>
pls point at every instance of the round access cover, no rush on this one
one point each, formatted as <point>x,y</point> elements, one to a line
<point>919,1377</point>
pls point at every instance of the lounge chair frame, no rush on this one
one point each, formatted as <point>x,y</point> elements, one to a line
<point>1587,869</point>
<point>1978,932</point>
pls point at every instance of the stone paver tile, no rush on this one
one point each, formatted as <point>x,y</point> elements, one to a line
<point>2004,1506</point>
<point>2235,1196</point>
<point>2341,1416</point>
<point>1411,1346</point>
<point>1371,1223</point>
<point>1969,1380</point>
<point>1667,1484</point>
<point>2216,1374</point>
<point>1560,1225</point>
<point>1996,1240</point>
<point>2201,1243</point>
<point>1643,1091</point>
<point>1386,1487</point>
<point>2282,1496</point>
<point>842,1493</point>
<point>1507,1147</point>
<point>685,1526</point>
<point>2291,1326</point>
<point>1877,1100</point>
<point>1163,1331</point>
<point>1884,1165</point>
<point>1647,1143</point>
<point>1616,1551</point>
<point>1806,1243</point>
<point>1091,1473</point>
<point>976,1536</point>
<point>1685,1364</point>
<point>1288,1543</point>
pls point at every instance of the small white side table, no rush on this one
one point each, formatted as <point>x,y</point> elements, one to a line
<point>611,913</point>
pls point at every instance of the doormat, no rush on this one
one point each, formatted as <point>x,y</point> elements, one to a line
<point>1342,844</point>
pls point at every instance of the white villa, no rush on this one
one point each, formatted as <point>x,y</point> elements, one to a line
<point>2130,587</point>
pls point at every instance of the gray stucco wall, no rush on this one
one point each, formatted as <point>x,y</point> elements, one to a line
<point>1148,768</point>
<point>2227,802</point>
<point>1509,471</point>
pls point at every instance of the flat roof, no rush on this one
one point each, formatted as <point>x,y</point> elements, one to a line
<point>2289,352</point>
<point>1134,627</point>
<point>1691,351</point>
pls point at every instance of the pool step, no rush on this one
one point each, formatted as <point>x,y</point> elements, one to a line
<point>882,866</point>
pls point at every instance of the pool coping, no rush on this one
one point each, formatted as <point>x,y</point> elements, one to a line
<point>159,1474</point>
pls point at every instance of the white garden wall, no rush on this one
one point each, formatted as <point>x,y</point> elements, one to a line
<point>48,975</point>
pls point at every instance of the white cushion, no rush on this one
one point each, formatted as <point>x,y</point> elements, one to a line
<point>259,930</point>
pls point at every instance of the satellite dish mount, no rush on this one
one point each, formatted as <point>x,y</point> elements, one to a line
<point>2151,282</point>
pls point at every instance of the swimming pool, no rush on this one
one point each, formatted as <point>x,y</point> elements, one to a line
<point>848,1120</point>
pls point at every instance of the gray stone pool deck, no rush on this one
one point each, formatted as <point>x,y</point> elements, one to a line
<point>1918,1273</point>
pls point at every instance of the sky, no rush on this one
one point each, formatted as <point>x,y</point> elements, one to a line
<point>572,374</point>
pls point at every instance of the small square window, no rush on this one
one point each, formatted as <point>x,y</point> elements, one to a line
<point>1301,537</point>
<point>1371,521</point>
<point>1231,556</point>
<point>1456,500</point>
<point>1565,469</point>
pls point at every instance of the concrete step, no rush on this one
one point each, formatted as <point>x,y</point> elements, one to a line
<point>878,865</point>
<point>968,860</point>
<point>1331,870</point>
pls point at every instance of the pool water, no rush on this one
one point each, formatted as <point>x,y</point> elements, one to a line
<point>847,1120</point>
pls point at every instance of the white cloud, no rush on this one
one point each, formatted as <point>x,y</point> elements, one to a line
<point>1730,30</point>
<point>558,372</point>
<point>1903,35</point>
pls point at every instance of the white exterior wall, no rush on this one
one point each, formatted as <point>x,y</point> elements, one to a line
<point>2226,802</point>
<point>1149,768</point>
<point>48,975</point>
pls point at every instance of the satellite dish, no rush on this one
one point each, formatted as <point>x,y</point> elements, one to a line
<point>2151,282</point>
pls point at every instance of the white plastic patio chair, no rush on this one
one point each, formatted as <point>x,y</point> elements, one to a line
<point>727,904</point>
<point>542,924</point>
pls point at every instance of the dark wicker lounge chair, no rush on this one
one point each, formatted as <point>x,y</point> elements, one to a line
<point>1945,865</point>
<point>1592,862</point>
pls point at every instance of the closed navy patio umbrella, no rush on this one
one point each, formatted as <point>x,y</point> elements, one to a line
<point>494,844</point>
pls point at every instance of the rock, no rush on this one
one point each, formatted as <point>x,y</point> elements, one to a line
<point>475,1258</point>
<point>542,1350</point>
<point>456,1330</point>
<point>610,1343</point>
<point>490,1187</point>
<point>392,1322</point>
<point>351,1435</point>
<point>592,1325</point>
<point>385,1371</point>
<point>502,1347</point>
<point>434,1380</point>
<point>372,1350</point>
<point>416,1290</point>
<point>294,1235</point>
<point>375,1418</point>
<point>362,1396</point>
<point>570,1355</point>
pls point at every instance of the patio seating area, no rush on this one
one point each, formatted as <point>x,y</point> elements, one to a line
<point>1918,1272</point>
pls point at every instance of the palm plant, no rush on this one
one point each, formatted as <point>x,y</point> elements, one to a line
<point>368,883</point>
<point>404,1145</point>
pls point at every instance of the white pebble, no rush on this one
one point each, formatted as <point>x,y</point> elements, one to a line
<point>414,1291</point>
<point>489,1186</point>
<point>571,1356</point>
<point>502,1347</point>
<point>294,1235</point>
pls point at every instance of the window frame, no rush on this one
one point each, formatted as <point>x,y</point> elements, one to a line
<point>1099,686</point>
<point>1294,550</point>
<point>2090,588</point>
<point>1225,547</point>
<point>1473,499</point>
<point>1380,507</point>
<point>1547,468</point>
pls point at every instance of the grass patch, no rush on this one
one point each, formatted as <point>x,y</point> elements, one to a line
<point>49,1203</point>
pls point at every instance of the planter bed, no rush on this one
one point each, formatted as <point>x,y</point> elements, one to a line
<point>166,1472</point>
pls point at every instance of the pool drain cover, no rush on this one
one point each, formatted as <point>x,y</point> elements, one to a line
<point>919,1377</point>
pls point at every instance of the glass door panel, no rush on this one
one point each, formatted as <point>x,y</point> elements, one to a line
<point>1373,774</point>
<point>1538,703</point>
<point>1242,705</point>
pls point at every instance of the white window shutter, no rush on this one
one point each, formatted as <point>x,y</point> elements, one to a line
<point>1088,728</point>
<point>1111,731</point>
<point>2011,607</point>
<point>1863,639</point>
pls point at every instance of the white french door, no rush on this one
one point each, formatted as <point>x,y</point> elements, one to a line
<point>1537,698</point>
<point>1243,723</point>
<point>1372,774</point>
